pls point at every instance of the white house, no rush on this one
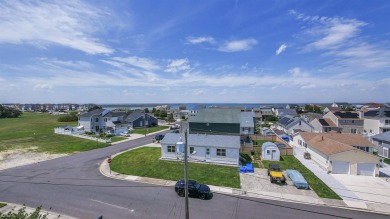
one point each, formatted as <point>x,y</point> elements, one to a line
<point>377,121</point>
<point>269,151</point>
<point>221,149</point>
<point>340,153</point>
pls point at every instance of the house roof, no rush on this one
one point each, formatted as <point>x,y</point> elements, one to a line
<point>328,146</point>
<point>327,122</point>
<point>333,109</point>
<point>385,136</point>
<point>346,115</point>
<point>268,144</point>
<point>285,120</point>
<point>296,121</point>
<point>95,112</point>
<point>115,114</point>
<point>247,119</point>
<point>135,115</point>
<point>345,138</point>
<point>217,116</point>
<point>222,141</point>
<point>291,112</point>
<point>379,113</point>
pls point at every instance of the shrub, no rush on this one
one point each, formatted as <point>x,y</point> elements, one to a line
<point>67,118</point>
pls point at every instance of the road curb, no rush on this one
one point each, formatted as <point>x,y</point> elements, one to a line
<point>104,170</point>
<point>15,208</point>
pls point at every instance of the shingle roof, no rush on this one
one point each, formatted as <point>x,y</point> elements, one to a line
<point>294,122</point>
<point>95,112</point>
<point>135,115</point>
<point>222,141</point>
<point>345,138</point>
<point>247,119</point>
<point>347,115</point>
<point>327,122</point>
<point>285,120</point>
<point>116,114</point>
<point>380,113</point>
<point>328,146</point>
<point>291,112</point>
<point>217,116</point>
<point>382,137</point>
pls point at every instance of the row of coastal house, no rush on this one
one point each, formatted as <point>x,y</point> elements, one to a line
<point>114,122</point>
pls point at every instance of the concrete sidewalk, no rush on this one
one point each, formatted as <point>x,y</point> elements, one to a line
<point>15,208</point>
<point>105,170</point>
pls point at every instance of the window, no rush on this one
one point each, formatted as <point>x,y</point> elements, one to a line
<point>387,121</point>
<point>353,121</point>
<point>221,152</point>
<point>191,150</point>
<point>268,152</point>
<point>97,120</point>
<point>105,119</point>
<point>354,131</point>
<point>171,149</point>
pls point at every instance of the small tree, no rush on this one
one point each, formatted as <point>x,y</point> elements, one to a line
<point>94,108</point>
<point>153,110</point>
<point>170,118</point>
<point>163,114</point>
<point>157,113</point>
<point>21,214</point>
<point>146,110</point>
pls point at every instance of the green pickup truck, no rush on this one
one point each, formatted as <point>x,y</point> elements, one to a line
<point>275,174</point>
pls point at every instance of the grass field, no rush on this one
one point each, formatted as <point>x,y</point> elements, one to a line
<point>145,162</point>
<point>149,130</point>
<point>319,187</point>
<point>37,130</point>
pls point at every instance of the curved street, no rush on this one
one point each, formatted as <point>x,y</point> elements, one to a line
<point>74,186</point>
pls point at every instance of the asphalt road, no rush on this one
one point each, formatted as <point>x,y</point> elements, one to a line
<point>74,186</point>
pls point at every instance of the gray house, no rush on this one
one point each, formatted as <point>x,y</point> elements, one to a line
<point>382,144</point>
<point>247,124</point>
<point>324,125</point>
<point>137,120</point>
<point>101,120</point>
<point>377,121</point>
<point>219,149</point>
<point>290,125</point>
<point>216,122</point>
<point>349,122</point>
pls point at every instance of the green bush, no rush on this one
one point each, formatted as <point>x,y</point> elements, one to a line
<point>21,214</point>
<point>67,118</point>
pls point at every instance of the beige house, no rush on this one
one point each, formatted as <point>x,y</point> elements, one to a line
<point>348,121</point>
<point>324,125</point>
<point>377,121</point>
<point>340,153</point>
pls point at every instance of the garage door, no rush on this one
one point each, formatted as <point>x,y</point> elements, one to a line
<point>340,167</point>
<point>366,169</point>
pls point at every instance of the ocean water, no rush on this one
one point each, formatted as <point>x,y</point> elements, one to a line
<point>190,106</point>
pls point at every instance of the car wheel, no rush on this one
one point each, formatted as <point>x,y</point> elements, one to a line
<point>181,193</point>
<point>202,196</point>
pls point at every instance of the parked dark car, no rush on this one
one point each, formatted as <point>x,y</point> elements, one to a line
<point>158,138</point>
<point>194,189</point>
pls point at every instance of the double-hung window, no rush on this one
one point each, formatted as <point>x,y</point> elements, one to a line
<point>221,152</point>
<point>171,148</point>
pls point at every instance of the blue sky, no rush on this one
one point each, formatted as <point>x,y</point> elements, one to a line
<point>194,51</point>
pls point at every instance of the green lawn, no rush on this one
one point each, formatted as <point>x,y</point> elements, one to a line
<point>259,143</point>
<point>149,130</point>
<point>2,205</point>
<point>387,161</point>
<point>145,162</point>
<point>117,138</point>
<point>37,130</point>
<point>319,187</point>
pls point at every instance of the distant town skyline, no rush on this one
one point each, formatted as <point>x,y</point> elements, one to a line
<point>110,52</point>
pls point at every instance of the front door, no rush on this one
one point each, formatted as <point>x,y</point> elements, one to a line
<point>386,152</point>
<point>208,156</point>
<point>273,154</point>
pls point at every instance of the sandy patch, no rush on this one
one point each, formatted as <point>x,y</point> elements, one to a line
<point>20,157</point>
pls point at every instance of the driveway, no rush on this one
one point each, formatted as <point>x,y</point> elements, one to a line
<point>258,184</point>
<point>364,192</point>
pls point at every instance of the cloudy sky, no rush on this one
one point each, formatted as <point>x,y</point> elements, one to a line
<point>142,51</point>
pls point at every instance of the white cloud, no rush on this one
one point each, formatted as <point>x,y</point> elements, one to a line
<point>43,87</point>
<point>297,72</point>
<point>178,65</point>
<point>198,92</point>
<point>281,49</point>
<point>199,40</point>
<point>238,45</point>
<point>139,62</point>
<point>66,23</point>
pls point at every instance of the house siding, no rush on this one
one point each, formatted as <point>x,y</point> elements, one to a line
<point>354,157</point>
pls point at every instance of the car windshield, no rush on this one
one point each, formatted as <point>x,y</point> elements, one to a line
<point>197,185</point>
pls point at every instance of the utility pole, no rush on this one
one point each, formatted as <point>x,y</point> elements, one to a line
<point>186,174</point>
<point>145,123</point>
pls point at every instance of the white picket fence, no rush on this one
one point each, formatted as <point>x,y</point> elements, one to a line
<point>79,134</point>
